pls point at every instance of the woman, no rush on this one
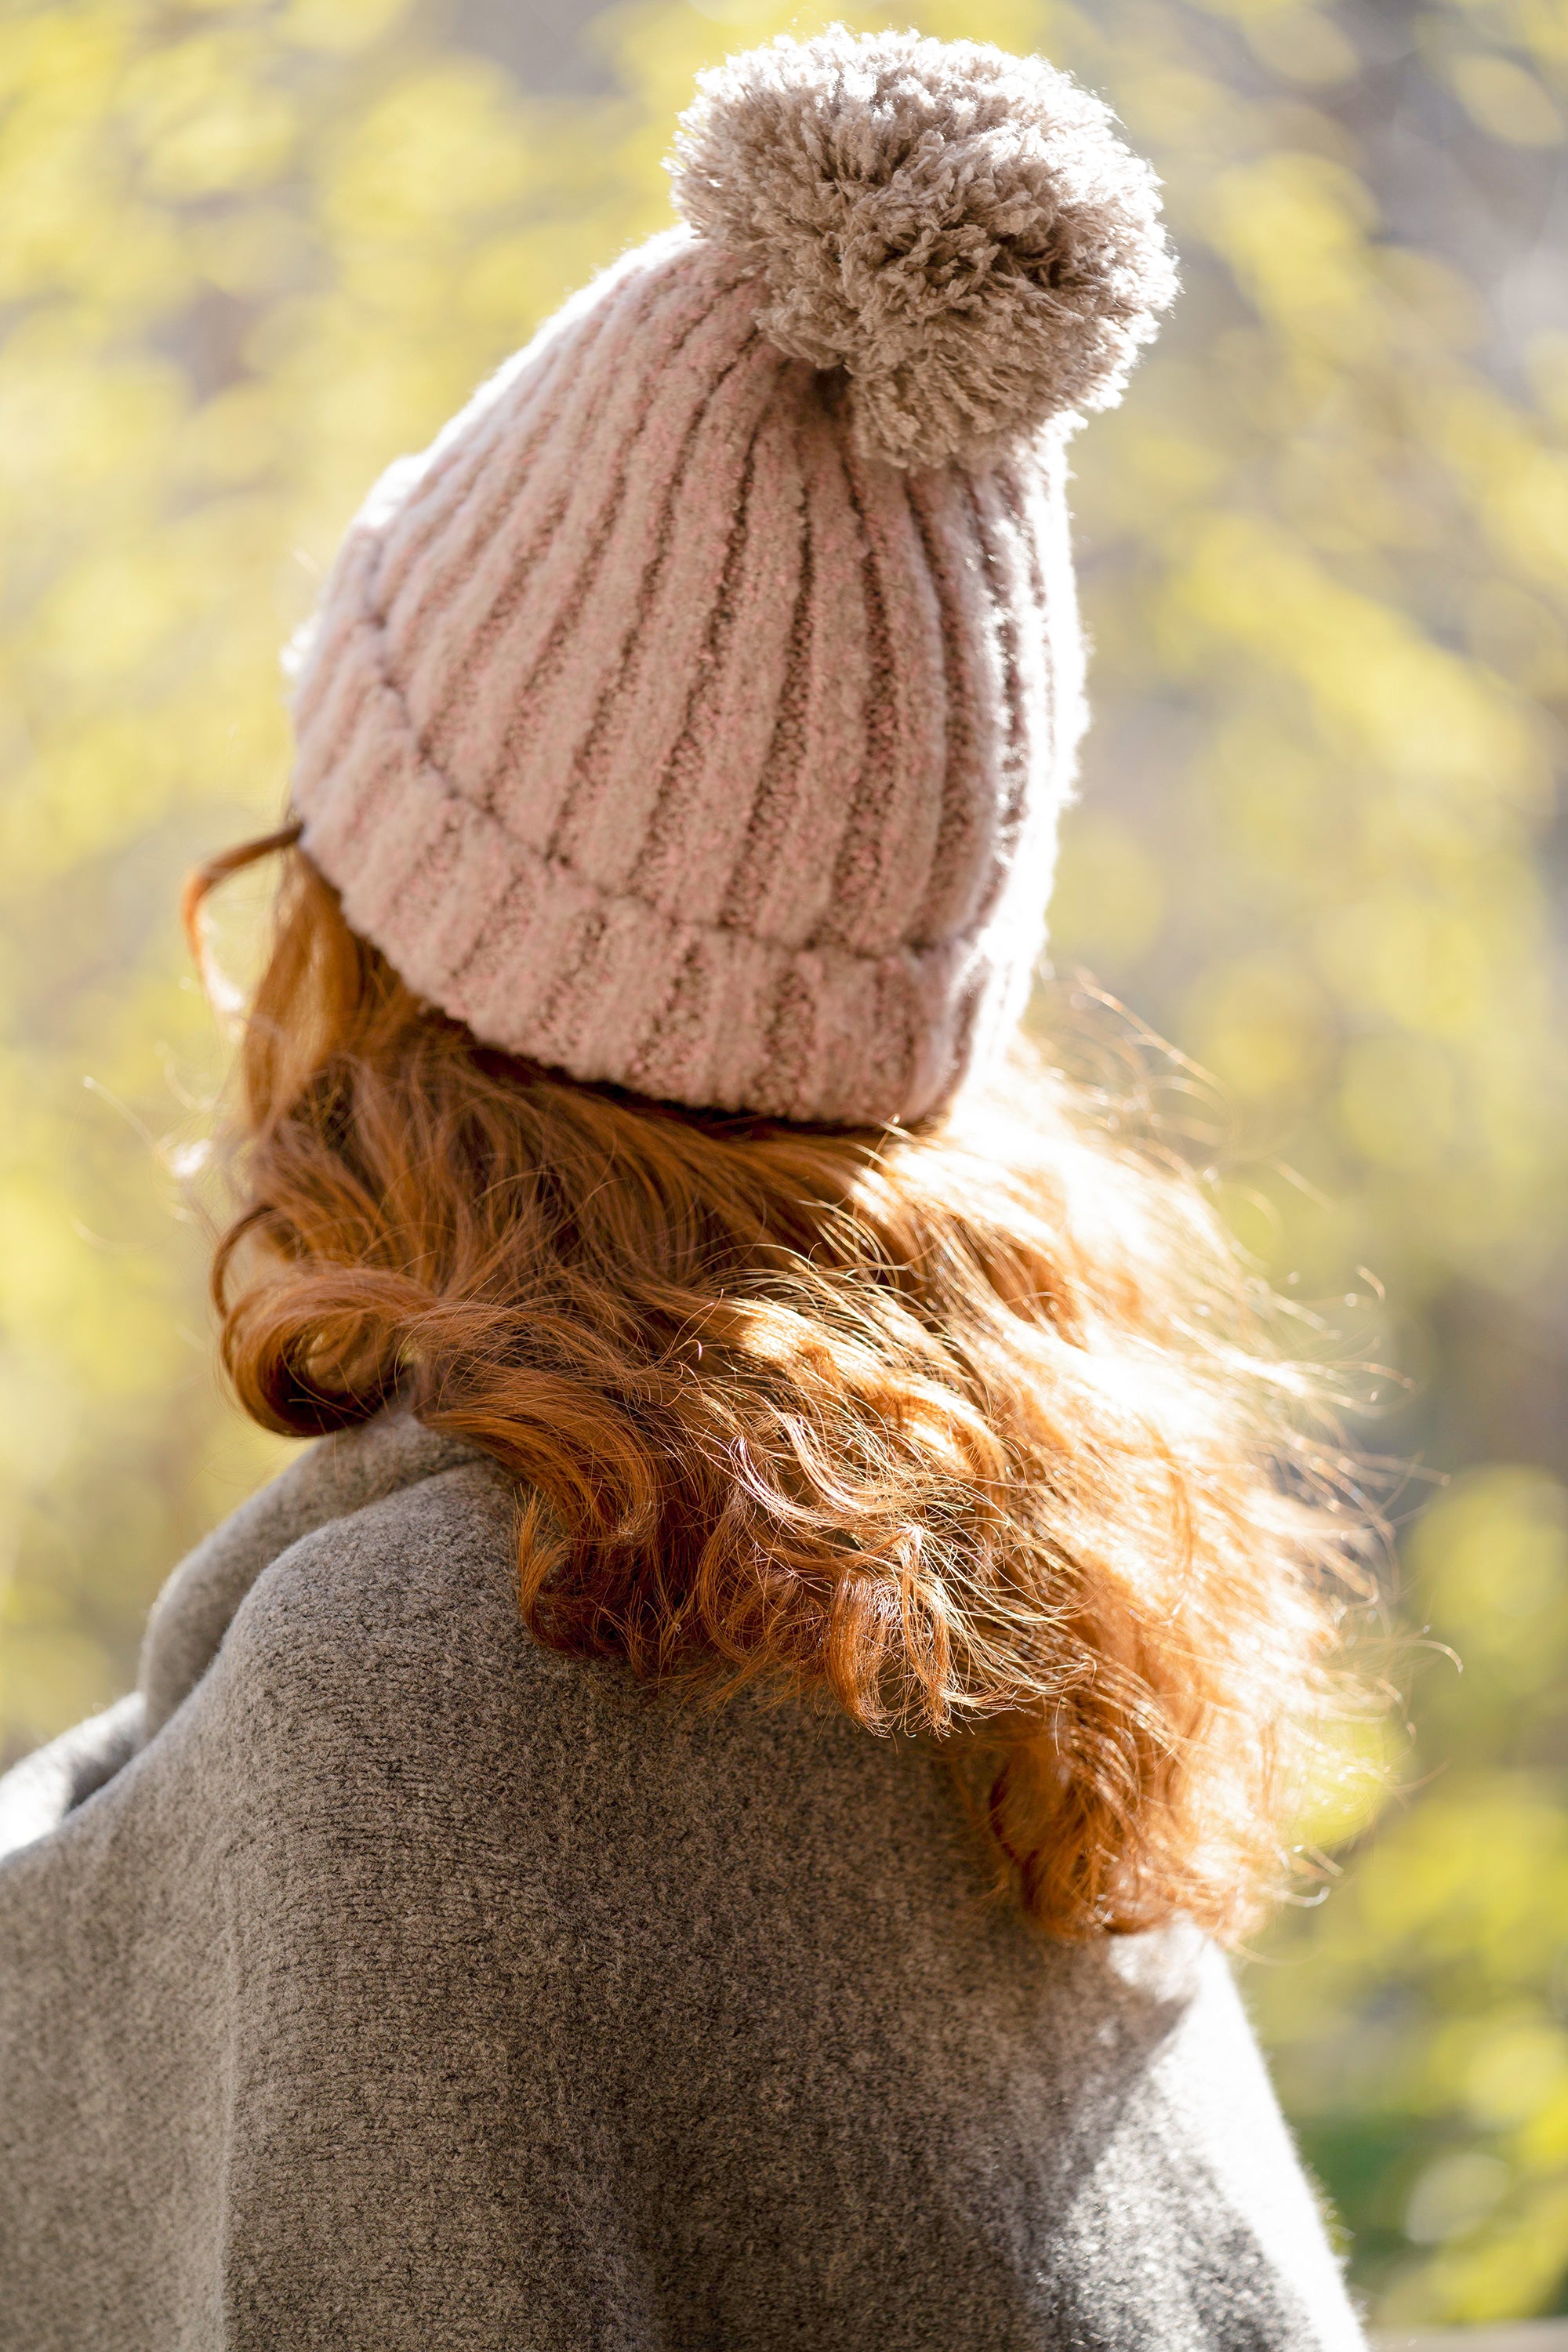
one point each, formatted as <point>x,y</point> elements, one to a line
<point>697,1813</point>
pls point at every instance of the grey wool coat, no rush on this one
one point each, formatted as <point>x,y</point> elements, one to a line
<point>373,1980</point>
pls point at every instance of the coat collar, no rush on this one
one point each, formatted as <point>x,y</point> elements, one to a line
<point>330,1479</point>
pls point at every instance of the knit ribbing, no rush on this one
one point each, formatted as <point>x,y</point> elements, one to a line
<point>656,733</point>
<point>661,730</point>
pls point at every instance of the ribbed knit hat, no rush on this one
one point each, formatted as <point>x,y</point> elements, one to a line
<point>695,712</point>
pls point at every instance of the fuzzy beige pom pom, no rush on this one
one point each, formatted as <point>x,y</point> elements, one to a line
<point>959,230</point>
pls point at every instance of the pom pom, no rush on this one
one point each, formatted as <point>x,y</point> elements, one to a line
<point>959,230</point>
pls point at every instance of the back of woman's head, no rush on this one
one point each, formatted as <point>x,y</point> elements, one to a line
<point>690,722</point>
<point>975,1431</point>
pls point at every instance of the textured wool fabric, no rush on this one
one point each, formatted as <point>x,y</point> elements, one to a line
<point>374,1980</point>
<point>667,722</point>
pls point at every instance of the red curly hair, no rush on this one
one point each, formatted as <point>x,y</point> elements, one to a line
<point>977,1430</point>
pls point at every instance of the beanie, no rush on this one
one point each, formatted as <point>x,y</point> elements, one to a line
<point>695,712</point>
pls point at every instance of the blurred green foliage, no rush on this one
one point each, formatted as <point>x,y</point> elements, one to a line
<point>252,249</point>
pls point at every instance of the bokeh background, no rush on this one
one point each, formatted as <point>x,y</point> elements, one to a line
<point>250,251</point>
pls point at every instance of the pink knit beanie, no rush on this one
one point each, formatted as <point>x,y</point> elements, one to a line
<point>695,712</point>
